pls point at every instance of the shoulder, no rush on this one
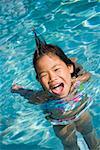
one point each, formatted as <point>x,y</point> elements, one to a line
<point>78,67</point>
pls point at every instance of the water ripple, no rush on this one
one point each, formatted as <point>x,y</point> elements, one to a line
<point>71,24</point>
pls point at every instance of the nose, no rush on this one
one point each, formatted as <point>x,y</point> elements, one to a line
<point>52,76</point>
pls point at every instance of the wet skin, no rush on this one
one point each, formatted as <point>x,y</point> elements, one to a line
<point>54,75</point>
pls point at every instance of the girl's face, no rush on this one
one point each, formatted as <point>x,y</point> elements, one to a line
<point>54,75</point>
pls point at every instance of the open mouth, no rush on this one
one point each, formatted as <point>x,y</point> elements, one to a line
<point>58,89</point>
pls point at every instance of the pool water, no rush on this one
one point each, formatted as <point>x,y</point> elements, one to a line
<point>73,25</point>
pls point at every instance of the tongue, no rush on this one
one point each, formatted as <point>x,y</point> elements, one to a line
<point>57,90</point>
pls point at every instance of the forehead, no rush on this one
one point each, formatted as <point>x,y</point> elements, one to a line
<point>49,61</point>
<point>49,56</point>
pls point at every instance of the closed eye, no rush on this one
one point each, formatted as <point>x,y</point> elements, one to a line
<point>43,75</point>
<point>57,69</point>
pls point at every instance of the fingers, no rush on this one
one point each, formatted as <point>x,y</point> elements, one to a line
<point>15,87</point>
<point>73,60</point>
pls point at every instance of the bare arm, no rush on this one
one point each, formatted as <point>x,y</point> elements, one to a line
<point>36,97</point>
<point>84,77</point>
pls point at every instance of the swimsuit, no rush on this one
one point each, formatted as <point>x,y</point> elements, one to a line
<point>63,112</point>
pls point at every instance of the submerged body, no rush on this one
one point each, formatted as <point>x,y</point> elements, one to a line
<point>67,110</point>
<point>66,115</point>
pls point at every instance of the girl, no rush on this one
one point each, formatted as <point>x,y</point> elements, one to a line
<point>63,102</point>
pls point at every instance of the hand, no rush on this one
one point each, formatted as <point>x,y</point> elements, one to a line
<point>74,60</point>
<point>15,87</point>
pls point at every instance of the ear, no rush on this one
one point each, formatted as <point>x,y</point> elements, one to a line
<point>70,68</point>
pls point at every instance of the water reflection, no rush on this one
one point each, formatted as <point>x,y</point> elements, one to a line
<point>74,26</point>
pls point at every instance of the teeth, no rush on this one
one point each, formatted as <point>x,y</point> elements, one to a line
<point>58,86</point>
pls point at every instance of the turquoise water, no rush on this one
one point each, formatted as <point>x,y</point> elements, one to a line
<point>74,25</point>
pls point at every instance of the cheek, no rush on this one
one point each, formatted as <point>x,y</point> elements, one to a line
<point>68,77</point>
<point>44,83</point>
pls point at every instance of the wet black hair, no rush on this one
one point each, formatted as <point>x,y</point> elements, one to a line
<point>42,48</point>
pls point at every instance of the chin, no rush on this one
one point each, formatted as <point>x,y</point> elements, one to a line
<point>63,95</point>
<point>60,96</point>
